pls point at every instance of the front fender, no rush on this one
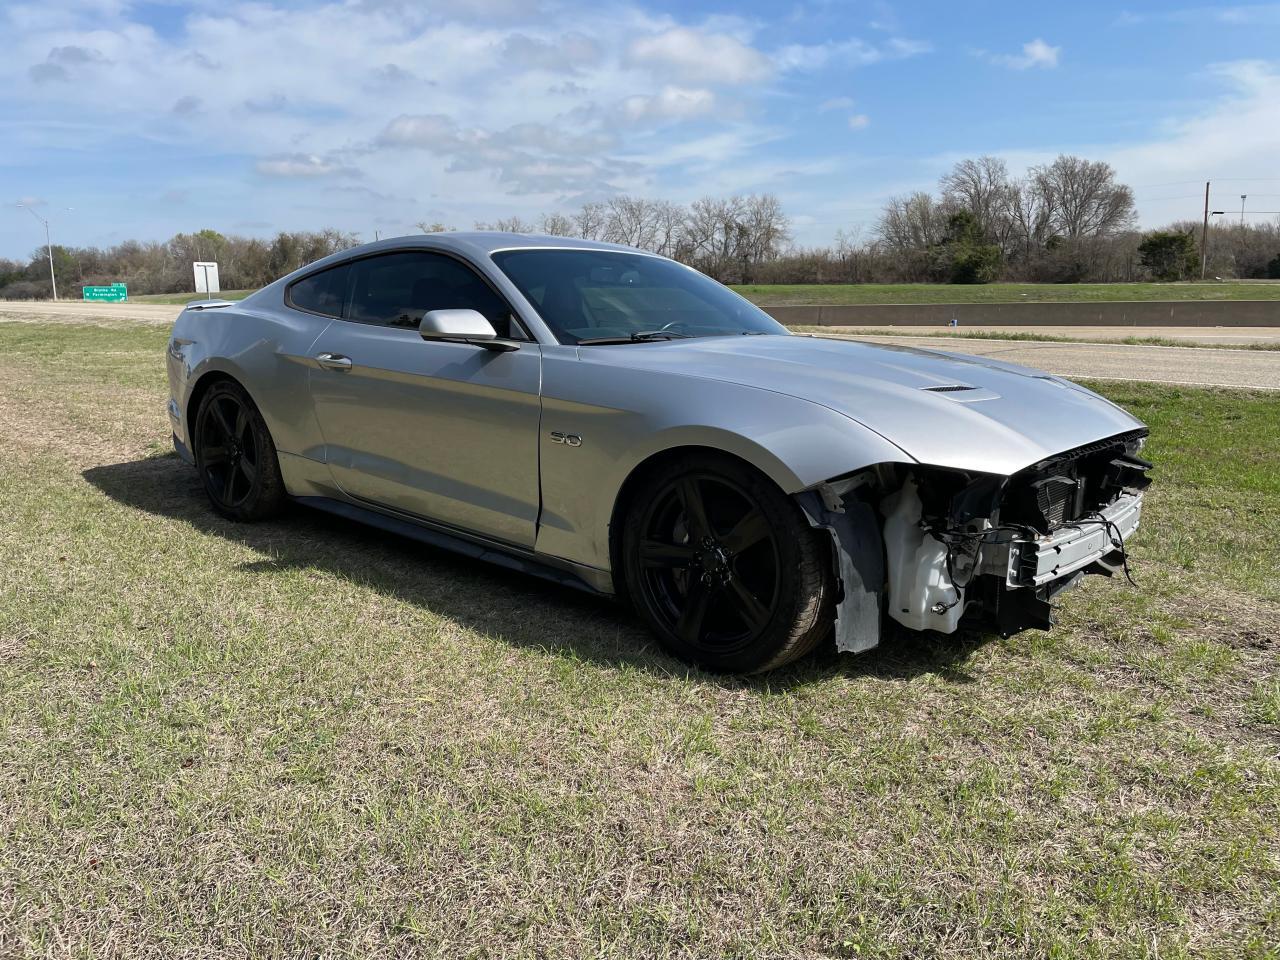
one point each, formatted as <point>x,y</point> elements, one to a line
<point>626,417</point>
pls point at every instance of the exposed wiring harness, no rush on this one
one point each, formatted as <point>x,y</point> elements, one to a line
<point>1114,535</point>
<point>976,539</point>
<point>951,539</point>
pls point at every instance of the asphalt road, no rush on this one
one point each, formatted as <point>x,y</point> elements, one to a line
<point>1190,366</point>
<point>1187,366</point>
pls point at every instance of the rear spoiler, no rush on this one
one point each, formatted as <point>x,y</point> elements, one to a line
<point>209,304</point>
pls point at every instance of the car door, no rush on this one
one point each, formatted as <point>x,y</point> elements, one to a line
<point>443,431</point>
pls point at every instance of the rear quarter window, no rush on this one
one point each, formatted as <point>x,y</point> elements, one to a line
<point>323,293</point>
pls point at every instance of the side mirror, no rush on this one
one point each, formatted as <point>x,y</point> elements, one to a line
<point>461,326</point>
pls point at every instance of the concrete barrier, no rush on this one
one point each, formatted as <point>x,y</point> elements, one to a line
<point>1131,313</point>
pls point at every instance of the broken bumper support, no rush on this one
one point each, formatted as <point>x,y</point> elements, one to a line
<point>1075,546</point>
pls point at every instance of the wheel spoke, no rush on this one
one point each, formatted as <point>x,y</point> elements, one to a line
<point>697,601</point>
<point>214,455</point>
<point>654,553</point>
<point>749,609</point>
<point>223,424</point>
<point>695,508</point>
<point>242,421</point>
<point>228,485</point>
<point>246,468</point>
<point>747,532</point>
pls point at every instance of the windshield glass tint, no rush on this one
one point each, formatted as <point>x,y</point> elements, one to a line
<point>591,294</point>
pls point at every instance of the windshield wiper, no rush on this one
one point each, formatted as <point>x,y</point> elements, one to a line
<point>640,336</point>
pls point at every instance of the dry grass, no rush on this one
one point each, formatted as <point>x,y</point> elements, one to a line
<point>305,738</point>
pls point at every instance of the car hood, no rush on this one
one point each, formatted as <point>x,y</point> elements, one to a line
<point>950,410</point>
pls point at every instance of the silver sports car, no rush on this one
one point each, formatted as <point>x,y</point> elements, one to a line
<point>619,422</point>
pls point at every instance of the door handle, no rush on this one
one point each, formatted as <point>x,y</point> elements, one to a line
<point>333,361</point>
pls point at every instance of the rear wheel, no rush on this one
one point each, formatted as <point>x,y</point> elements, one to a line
<point>235,455</point>
<point>724,566</point>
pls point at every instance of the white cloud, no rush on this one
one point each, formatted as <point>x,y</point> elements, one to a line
<point>527,157</point>
<point>565,54</point>
<point>701,57</point>
<point>1256,14</point>
<point>1267,14</point>
<point>301,165</point>
<point>852,52</point>
<point>483,107</point>
<point>1035,53</point>
<point>670,103</point>
<point>433,131</point>
<point>859,121</point>
<point>1237,137</point>
<point>836,103</point>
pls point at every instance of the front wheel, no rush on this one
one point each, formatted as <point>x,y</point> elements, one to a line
<point>724,566</point>
<point>235,455</point>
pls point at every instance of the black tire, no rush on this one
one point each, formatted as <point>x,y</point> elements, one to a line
<point>741,584</point>
<point>235,455</point>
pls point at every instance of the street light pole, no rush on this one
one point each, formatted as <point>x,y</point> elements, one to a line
<point>48,245</point>
<point>1205,253</point>
<point>1204,233</point>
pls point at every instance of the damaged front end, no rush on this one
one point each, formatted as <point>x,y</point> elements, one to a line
<point>939,549</point>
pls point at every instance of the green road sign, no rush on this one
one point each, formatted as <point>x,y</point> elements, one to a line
<point>115,293</point>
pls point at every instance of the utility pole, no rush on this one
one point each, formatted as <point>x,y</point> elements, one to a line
<point>53,281</point>
<point>1204,233</point>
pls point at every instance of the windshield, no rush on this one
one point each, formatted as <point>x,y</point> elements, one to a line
<point>600,295</point>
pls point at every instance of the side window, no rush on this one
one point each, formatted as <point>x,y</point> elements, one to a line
<point>321,292</point>
<point>396,289</point>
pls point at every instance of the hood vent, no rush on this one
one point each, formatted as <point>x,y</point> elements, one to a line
<point>949,388</point>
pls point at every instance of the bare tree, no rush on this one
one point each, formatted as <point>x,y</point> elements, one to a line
<point>914,222</point>
<point>591,221</point>
<point>714,233</point>
<point>557,225</point>
<point>764,229</point>
<point>1065,221</point>
<point>1084,198</point>
<point>507,225</point>
<point>631,221</point>
<point>436,227</point>
<point>670,233</point>
<point>983,187</point>
<point>1031,216</point>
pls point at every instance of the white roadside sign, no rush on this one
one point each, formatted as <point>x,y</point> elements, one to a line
<point>206,277</point>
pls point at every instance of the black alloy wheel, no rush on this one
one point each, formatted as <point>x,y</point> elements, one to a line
<point>235,455</point>
<point>725,568</point>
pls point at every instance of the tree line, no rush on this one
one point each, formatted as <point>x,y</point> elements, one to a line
<point>165,267</point>
<point>1070,220</point>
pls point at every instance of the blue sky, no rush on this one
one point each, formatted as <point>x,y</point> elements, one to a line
<point>150,118</point>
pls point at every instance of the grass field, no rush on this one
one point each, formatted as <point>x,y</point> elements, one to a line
<point>1030,336</point>
<point>303,738</point>
<point>777,295</point>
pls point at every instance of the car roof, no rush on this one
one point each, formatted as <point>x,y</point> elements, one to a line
<point>470,244</point>
<point>476,242</point>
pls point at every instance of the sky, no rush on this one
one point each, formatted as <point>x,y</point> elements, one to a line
<point>137,120</point>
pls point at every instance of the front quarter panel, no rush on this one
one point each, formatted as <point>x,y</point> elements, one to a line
<point>625,416</point>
